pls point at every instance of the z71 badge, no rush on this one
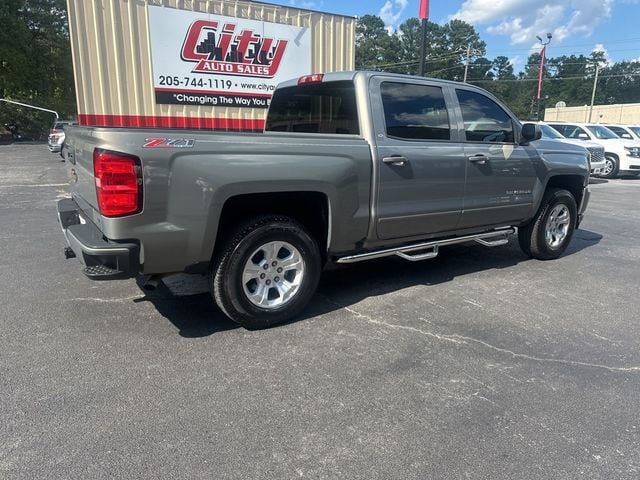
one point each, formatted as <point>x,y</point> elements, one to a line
<point>169,143</point>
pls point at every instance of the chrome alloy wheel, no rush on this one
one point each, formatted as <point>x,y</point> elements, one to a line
<point>273,275</point>
<point>557,226</point>
<point>608,166</point>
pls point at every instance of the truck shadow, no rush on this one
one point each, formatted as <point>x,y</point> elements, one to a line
<point>195,314</point>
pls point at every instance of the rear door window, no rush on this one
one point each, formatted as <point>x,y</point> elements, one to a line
<point>315,108</point>
<point>415,112</point>
<point>573,131</point>
<point>559,128</point>
<point>484,120</point>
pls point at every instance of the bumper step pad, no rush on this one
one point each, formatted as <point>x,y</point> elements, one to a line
<point>97,271</point>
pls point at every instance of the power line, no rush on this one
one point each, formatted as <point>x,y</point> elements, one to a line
<point>554,79</point>
<point>412,62</point>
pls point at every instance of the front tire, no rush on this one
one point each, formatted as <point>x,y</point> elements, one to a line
<point>266,273</point>
<point>547,236</point>
<point>611,166</point>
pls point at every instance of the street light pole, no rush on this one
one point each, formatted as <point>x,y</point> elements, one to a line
<point>541,72</point>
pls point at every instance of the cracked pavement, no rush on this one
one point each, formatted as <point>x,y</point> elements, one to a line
<point>477,364</point>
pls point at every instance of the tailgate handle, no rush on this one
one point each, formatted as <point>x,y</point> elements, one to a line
<point>479,159</point>
<point>395,160</point>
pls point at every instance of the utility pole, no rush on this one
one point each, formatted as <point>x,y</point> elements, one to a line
<point>466,65</point>
<point>593,94</point>
<point>424,15</point>
<point>541,72</point>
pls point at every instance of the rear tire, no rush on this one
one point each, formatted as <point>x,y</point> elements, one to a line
<point>266,273</point>
<point>551,230</point>
<point>611,166</point>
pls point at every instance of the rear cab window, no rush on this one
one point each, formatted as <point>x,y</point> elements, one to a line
<point>315,108</point>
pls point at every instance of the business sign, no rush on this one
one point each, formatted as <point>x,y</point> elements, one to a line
<point>215,60</point>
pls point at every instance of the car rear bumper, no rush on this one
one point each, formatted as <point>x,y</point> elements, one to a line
<point>103,259</point>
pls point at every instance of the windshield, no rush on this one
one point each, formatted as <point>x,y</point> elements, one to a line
<point>635,130</point>
<point>549,133</point>
<point>601,132</point>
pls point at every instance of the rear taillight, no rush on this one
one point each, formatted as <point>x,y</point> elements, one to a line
<point>118,179</point>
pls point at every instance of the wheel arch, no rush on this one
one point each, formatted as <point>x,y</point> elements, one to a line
<point>574,183</point>
<point>312,209</point>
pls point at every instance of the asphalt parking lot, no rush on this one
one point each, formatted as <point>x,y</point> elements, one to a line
<point>480,363</point>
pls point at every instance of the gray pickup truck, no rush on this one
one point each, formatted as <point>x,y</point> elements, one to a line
<point>352,166</point>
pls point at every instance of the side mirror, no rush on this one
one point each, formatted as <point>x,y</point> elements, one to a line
<point>626,135</point>
<point>530,132</point>
<point>583,136</point>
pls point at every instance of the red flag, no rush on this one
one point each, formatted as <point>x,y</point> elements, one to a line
<point>424,9</point>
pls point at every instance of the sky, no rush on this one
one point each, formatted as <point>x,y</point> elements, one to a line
<point>510,27</point>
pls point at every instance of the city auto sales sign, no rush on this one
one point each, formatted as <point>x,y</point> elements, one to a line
<point>215,60</point>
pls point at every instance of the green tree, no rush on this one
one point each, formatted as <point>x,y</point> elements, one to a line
<point>503,68</point>
<point>35,62</point>
<point>376,49</point>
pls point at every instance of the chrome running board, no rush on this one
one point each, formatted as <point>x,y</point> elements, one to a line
<point>426,250</point>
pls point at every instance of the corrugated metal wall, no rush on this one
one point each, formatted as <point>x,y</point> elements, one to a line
<point>113,67</point>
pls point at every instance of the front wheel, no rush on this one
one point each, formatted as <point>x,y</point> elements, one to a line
<point>551,230</point>
<point>611,167</point>
<point>266,273</point>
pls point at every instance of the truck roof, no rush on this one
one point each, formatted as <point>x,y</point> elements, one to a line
<point>351,75</point>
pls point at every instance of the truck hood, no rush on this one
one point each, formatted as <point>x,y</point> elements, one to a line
<point>581,143</point>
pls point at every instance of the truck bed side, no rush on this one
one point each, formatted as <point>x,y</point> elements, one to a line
<point>186,189</point>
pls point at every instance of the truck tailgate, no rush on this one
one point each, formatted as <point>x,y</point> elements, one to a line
<point>78,154</point>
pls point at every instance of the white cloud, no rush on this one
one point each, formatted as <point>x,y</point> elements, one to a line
<point>391,13</point>
<point>607,59</point>
<point>522,20</point>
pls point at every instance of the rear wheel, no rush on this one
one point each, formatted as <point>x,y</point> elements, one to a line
<point>611,166</point>
<point>267,272</point>
<point>551,230</point>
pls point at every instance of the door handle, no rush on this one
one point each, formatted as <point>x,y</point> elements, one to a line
<point>395,160</point>
<point>479,159</point>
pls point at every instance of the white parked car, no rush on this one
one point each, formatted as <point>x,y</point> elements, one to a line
<point>625,131</point>
<point>622,156</point>
<point>596,151</point>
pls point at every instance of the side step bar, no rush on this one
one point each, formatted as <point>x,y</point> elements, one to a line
<point>426,250</point>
